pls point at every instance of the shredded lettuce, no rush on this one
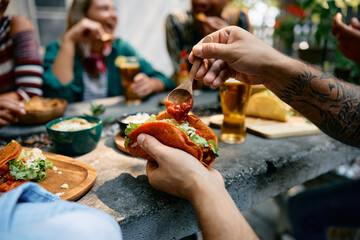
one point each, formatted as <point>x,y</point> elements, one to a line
<point>30,165</point>
<point>132,126</point>
<point>190,131</point>
<point>214,148</point>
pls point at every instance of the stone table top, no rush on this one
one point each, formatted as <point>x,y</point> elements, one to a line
<point>253,172</point>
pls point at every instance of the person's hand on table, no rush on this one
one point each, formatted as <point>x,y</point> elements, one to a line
<point>233,52</point>
<point>175,171</point>
<point>84,30</point>
<point>10,110</point>
<point>348,37</point>
<point>143,85</point>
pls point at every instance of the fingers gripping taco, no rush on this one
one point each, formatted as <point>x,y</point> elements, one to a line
<point>192,136</point>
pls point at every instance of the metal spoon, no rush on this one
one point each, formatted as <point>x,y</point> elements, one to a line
<point>185,90</point>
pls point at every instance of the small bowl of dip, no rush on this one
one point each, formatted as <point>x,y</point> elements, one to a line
<point>125,119</point>
<point>75,135</point>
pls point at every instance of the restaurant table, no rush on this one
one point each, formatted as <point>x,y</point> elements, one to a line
<point>253,172</point>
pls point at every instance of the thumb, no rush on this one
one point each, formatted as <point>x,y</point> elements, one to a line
<point>151,145</point>
<point>355,23</point>
<point>212,50</point>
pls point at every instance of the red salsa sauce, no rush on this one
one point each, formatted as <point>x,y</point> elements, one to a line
<point>179,110</point>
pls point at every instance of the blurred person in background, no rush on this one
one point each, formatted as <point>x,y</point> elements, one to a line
<point>10,110</point>
<point>29,211</point>
<point>81,66</point>
<point>186,28</point>
<point>348,37</point>
<point>20,65</point>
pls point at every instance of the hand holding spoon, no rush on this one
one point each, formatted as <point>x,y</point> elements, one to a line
<point>185,90</point>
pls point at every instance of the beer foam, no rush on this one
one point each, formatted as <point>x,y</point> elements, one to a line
<point>129,65</point>
<point>126,62</point>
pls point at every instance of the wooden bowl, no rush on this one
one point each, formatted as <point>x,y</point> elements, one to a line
<point>52,108</point>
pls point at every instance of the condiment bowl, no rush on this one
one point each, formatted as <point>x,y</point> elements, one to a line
<point>124,120</point>
<point>75,142</point>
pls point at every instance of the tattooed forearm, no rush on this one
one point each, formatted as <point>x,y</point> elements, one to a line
<point>332,104</point>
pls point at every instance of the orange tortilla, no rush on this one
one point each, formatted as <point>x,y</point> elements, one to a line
<point>11,151</point>
<point>173,136</point>
<point>10,185</point>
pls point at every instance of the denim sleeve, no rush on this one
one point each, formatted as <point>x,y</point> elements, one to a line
<point>32,212</point>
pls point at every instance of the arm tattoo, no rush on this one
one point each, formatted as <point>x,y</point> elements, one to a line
<point>332,104</point>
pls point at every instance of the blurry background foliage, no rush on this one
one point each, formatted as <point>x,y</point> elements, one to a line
<point>321,13</point>
<point>251,3</point>
<point>306,24</point>
<point>320,16</point>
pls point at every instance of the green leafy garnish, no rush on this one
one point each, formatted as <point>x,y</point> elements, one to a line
<point>96,109</point>
<point>214,148</point>
<point>127,142</point>
<point>99,109</point>
<point>29,165</point>
<point>132,126</point>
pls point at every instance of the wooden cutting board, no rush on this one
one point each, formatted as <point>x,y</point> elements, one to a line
<point>295,126</point>
<point>79,177</point>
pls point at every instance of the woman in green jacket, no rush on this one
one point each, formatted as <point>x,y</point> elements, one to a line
<point>82,65</point>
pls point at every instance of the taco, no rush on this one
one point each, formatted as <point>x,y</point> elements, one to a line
<point>192,136</point>
<point>18,166</point>
<point>266,104</point>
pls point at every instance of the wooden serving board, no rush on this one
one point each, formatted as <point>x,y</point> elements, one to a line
<point>119,143</point>
<point>79,177</point>
<point>295,126</point>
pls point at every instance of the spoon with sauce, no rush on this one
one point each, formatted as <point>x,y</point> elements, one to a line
<point>180,100</point>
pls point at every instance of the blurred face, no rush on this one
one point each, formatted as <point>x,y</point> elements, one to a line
<point>3,6</point>
<point>103,11</point>
<point>209,7</point>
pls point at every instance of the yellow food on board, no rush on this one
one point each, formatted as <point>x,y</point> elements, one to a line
<point>267,105</point>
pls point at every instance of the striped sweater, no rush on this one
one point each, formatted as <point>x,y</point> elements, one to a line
<point>20,62</point>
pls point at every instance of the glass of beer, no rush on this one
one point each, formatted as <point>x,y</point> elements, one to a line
<point>234,96</point>
<point>129,67</point>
